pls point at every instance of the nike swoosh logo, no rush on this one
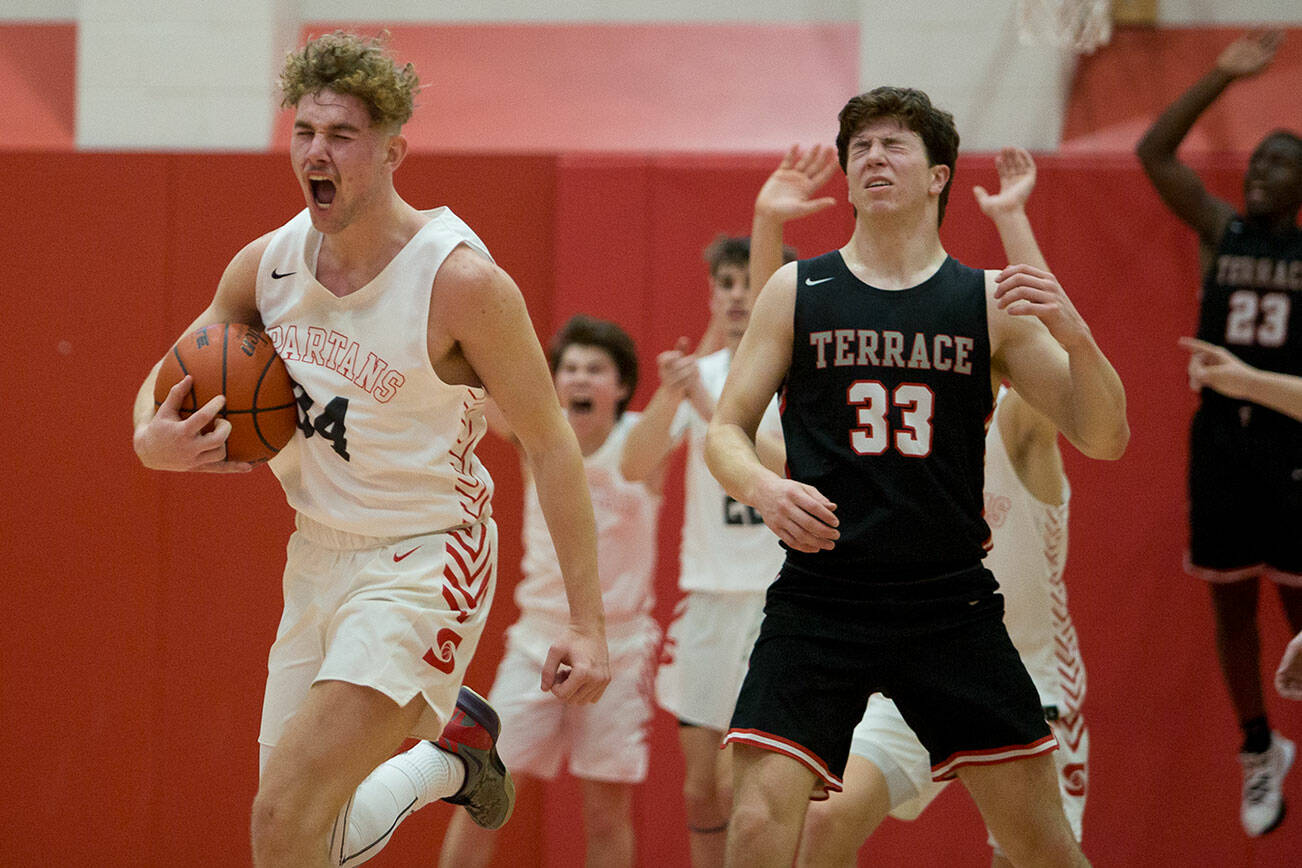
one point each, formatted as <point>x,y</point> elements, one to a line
<point>397,557</point>
<point>275,275</point>
<point>809,282</point>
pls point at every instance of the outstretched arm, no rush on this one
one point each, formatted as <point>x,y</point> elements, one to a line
<point>788,194</point>
<point>1029,437</point>
<point>481,309</point>
<point>1216,368</point>
<point>651,438</point>
<point>1177,184</point>
<point>1007,208</point>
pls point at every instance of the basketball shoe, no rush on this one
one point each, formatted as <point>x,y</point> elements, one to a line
<point>1262,808</point>
<point>488,794</point>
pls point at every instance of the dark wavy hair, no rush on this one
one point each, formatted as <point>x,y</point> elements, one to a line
<point>914,111</point>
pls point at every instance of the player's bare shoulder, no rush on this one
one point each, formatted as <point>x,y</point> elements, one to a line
<point>236,296</point>
<point>470,294</point>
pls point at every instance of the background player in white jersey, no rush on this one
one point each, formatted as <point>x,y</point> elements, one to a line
<point>727,556</point>
<point>1026,496</point>
<point>1245,489</point>
<point>391,571</point>
<point>594,365</point>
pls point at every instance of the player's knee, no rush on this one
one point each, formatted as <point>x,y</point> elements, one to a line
<point>756,817</point>
<point>828,839</point>
<point>281,823</point>
<point>701,799</point>
<point>1040,844</point>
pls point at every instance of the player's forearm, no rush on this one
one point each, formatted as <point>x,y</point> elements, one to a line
<point>1095,404</point>
<point>1159,144</point>
<point>567,508</point>
<point>143,408</point>
<point>651,438</point>
<point>732,458</point>
<point>765,248</point>
<point>771,450</point>
<point>1020,246</point>
<point>1280,392</point>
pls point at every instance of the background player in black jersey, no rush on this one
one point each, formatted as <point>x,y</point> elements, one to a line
<point>1213,367</point>
<point>1245,464</point>
<point>888,354</point>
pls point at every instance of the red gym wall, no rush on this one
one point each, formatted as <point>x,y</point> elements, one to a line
<point>140,604</point>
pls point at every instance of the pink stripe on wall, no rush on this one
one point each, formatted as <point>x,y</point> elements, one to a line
<point>38,86</point>
<point>602,87</point>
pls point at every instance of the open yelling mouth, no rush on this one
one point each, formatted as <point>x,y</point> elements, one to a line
<point>323,190</point>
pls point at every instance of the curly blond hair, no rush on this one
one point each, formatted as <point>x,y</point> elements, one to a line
<point>350,64</point>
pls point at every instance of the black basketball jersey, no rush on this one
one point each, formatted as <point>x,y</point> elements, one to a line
<point>1252,304</point>
<point>885,409</point>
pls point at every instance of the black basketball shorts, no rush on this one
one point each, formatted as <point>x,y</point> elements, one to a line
<point>1245,494</point>
<point>946,660</point>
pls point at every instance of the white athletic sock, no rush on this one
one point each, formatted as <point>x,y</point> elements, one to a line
<point>399,786</point>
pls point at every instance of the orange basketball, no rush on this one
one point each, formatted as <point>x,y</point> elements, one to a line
<point>238,361</point>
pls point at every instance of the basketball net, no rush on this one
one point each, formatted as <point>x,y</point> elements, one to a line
<point>1081,25</point>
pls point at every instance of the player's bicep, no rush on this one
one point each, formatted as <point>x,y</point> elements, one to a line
<point>1024,353</point>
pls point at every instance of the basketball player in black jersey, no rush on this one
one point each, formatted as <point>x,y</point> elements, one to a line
<point>1245,460</point>
<point>887,354</point>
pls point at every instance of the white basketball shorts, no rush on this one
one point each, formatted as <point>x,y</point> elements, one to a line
<point>606,740</point>
<point>705,655</point>
<point>400,615</point>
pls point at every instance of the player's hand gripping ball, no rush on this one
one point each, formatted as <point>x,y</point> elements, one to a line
<point>238,361</point>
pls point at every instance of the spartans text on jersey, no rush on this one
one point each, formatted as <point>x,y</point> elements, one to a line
<point>338,352</point>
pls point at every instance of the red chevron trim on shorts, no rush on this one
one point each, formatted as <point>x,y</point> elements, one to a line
<point>468,572</point>
<point>827,782</point>
<point>945,770</point>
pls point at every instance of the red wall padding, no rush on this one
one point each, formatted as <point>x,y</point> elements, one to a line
<point>142,604</point>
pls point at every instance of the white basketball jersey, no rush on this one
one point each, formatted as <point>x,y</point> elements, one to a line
<point>626,514</point>
<point>384,447</point>
<point>725,546</point>
<point>1028,557</point>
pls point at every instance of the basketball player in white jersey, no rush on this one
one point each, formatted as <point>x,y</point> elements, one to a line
<point>594,365</point>
<point>395,324</point>
<point>1026,496</point>
<point>727,556</point>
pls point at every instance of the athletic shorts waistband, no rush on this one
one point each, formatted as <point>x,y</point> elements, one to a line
<point>341,540</point>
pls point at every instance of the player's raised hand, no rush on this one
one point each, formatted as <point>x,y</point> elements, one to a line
<point>1250,53</point>
<point>1016,181</point>
<point>798,513</point>
<point>1024,290</point>
<point>577,668</point>
<point>677,367</point>
<point>168,442</point>
<point>788,194</point>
